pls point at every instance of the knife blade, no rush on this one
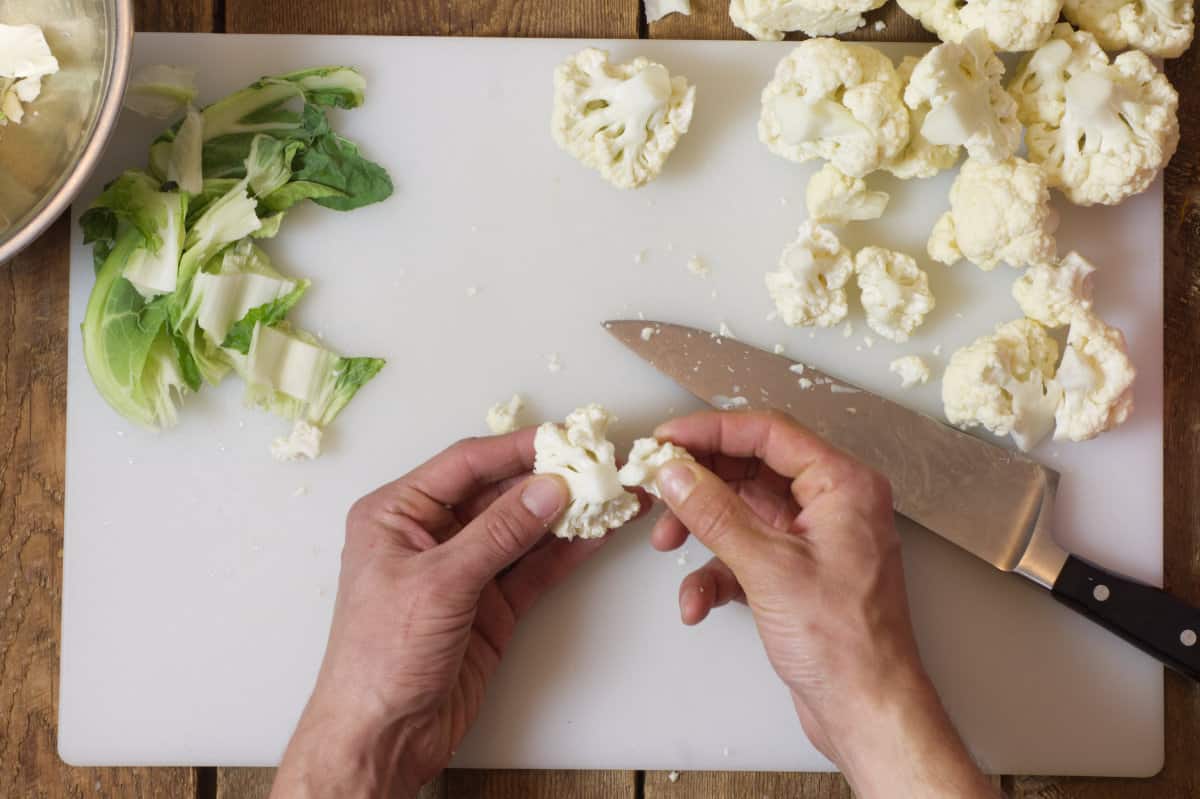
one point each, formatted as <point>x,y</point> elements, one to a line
<point>994,503</point>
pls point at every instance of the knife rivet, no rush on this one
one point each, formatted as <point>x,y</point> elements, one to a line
<point>1188,638</point>
<point>1101,593</point>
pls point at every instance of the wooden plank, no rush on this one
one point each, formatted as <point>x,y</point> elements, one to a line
<point>710,20</point>
<point>713,784</point>
<point>255,783</point>
<point>465,784</point>
<point>191,16</point>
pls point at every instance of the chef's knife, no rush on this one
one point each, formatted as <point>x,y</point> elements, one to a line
<point>996,504</point>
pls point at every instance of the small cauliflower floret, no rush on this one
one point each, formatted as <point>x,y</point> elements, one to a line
<point>895,292</point>
<point>958,86</point>
<point>836,101</point>
<point>835,199</point>
<point>502,418</point>
<point>25,59</point>
<point>1005,382</point>
<point>998,212</point>
<point>646,458</point>
<point>809,287</point>
<point>1102,131</point>
<point>303,443</point>
<point>1096,376</point>
<point>768,20</point>
<point>920,158</point>
<point>1056,294</point>
<point>1162,28</point>
<point>1010,25</point>
<point>911,369</point>
<point>580,453</point>
<point>622,120</point>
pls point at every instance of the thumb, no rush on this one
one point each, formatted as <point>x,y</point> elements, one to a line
<point>509,528</point>
<point>711,511</point>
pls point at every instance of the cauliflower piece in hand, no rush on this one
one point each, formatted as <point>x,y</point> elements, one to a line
<point>623,120</point>
<point>911,369</point>
<point>582,455</point>
<point>810,286</point>
<point>768,20</point>
<point>1010,25</point>
<point>502,418</point>
<point>895,292</point>
<point>836,101</point>
<point>998,212</point>
<point>1097,377</point>
<point>958,86</point>
<point>1102,131</point>
<point>1056,294</point>
<point>1162,28</point>
<point>835,199</point>
<point>920,158</point>
<point>1005,382</point>
<point>646,458</point>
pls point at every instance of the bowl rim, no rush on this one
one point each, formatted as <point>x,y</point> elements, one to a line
<point>116,77</point>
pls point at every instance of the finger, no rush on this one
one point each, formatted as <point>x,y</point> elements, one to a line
<point>712,512</point>
<point>775,510</point>
<point>544,568</point>
<point>473,506</point>
<point>710,586</point>
<point>465,468</point>
<point>668,533</point>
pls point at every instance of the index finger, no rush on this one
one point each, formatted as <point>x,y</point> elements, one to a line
<point>463,470</point>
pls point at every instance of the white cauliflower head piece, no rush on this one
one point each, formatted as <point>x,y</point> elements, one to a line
<point>1097,377</point>
<point>1161,28</point>
<point>1102,131</point>
<point>1010,25</point>
<point>834,198</point>
<point>920,158</point>
<point>580,453</point>
<point>647,457</point>
<point>895,292</point>
<point>623,120</point>
<point>998,212</point>
<point>768,20</point>
<point>959,86</point>
<point>809,288</point>
<point>836,101</point>
<point>1056,294</point>
<point>911,369</point>
<point>1004,382</point>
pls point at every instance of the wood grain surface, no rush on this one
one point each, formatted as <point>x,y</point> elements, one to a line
<point>33,340</point>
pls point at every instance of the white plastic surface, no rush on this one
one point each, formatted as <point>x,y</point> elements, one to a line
<point>198,588</point>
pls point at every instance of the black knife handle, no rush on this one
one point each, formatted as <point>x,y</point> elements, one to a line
<point>1149,618</point>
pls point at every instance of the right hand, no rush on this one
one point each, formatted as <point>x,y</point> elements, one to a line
<point>805,536</point>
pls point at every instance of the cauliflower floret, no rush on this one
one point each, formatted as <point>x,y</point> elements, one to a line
<point>810,286</point>
<point>502,418</point>
<point>912,370</point>
<point>895,292</point>
<point>998,212</point>
<point>836,101</point>
<point>646,458</point>
<point>1101,131</point>
<point>622,120</point>
<point>767,20</point>
<point>1005,382</point>
<point>835,199</point>
<point>967,105</point>
<point>303,443</point>
<point>920,158</point>
<point>1096,376</point>
<point>1010,25</point>
<point>581,455</point>
<point>1161,28</point>
<point>1056,294</point>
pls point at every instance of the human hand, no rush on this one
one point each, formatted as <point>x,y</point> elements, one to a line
<point>805,536</point>
<point>437,569</point>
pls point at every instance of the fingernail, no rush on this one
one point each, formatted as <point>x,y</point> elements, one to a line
<point>676,481</point>
<point>543,497</point>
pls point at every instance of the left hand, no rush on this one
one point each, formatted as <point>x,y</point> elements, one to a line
<point>437,569</point>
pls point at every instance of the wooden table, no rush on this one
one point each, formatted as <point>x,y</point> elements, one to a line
<point>33,376</point>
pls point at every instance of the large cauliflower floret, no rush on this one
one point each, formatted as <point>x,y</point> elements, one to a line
<point>920,158</point>
<point>647,457</point>
<point>1005,383</point>
<point>1162,28</point>
<point>1056,294</point>
<point>895,292</point>
<point>967,105</point>
<point>834,198</point>
<point>836,101</point>
<point>1010,25</point>
<point>1101,131</point>
<point>998,212</point>
<point>768,20</point>
<point>622,120</point>
<point>1096,376</point>
<point>810,286</point>
<point>582,455</point>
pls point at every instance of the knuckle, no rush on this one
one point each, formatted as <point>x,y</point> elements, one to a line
<point>359,515</point>
<point>505,530</point>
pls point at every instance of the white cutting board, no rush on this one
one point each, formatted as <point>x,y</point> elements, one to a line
<point>198,588</point>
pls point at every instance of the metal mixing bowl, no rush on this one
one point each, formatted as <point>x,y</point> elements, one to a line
<point>45,160</point>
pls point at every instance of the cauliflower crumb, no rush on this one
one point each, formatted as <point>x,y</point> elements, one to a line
<point>777,349</point>
<point>502,418</point>
<point>646,458</point>
<point>768,20</point>
<point>1010,25</point>
<point>554,363</point>
<point>848,330</point>
<point>912,370</point>
<point>1056,294</point>
<point>880,26</point>
<point>797,368</point>
<point>639,257</point>
<point>698,267</point>
<point>895,292</point>
<point>724,331</point>
<point>648,333</point>
<point>673,776</point>
<point>806,384</point>
<point>835,198</point>
<point>1097,377</point>
<point>472,291</point>
<point>809,288</point>
<point>1162,28</point>
<point>304,442</point>
<point>657,9</point>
